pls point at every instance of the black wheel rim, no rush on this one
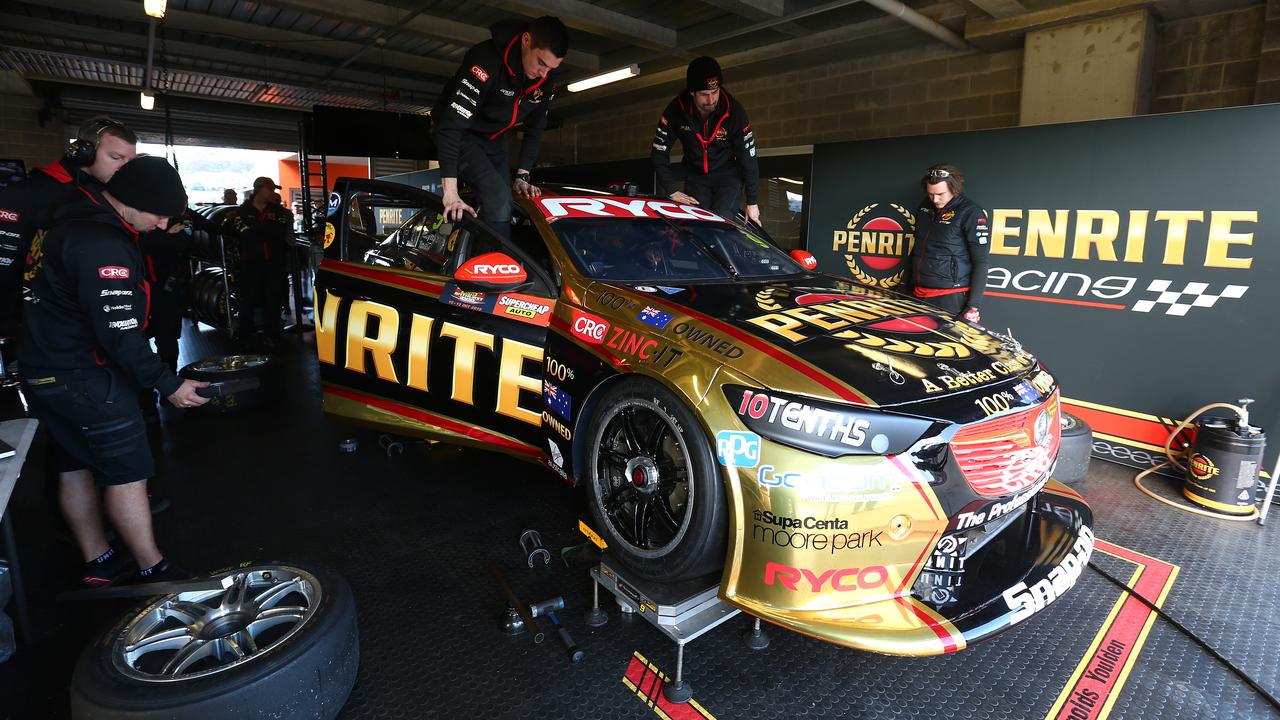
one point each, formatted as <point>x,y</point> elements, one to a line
<point>642,476</point>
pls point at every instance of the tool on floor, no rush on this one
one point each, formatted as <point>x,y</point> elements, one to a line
<point>547,609</point>
<point>531,543</point>
<point>514,602</point>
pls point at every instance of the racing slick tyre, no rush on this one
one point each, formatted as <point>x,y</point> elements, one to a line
<point>220,368</point>
<point>653,485</point>
<point>279,640</point>
<point>1074,452</point>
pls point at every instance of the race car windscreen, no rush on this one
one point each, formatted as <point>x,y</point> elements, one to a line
<point>665,250</point>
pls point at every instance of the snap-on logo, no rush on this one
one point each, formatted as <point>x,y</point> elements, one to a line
<point>113,272</point>
<point>480,73</point>
<point>589,328</point>
<point>9,215</point>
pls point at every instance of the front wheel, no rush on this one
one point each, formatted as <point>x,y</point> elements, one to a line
<point>653,484</point>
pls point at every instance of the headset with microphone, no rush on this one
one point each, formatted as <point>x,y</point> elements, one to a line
<point>81,151</point>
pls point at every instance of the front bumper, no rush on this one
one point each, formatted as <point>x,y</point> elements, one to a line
<point>1033,561</point>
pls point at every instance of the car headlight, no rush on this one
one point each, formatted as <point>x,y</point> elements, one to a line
<point>824,428</point>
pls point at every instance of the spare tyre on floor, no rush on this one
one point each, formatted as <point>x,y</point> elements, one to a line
<point>221,368</point>
<point>278,640</point>
<point>1074,452</point>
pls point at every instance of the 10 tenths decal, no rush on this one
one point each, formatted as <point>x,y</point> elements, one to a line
<point>876,243</point>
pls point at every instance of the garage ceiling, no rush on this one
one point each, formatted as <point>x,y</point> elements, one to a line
<point>279,57</point>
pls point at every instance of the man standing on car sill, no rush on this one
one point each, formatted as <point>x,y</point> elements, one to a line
<point>719,145</point>
<point>101,146</point>
<point>85,355</point>
<point>504,81</point>
<point>950,259</point>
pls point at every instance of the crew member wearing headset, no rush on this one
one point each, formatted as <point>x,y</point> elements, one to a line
<point>101,146</point>
<point>507,80</point>
<point>950,259</point>
<point>719,145</point>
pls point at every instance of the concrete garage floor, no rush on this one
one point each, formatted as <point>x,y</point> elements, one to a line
<point>413,535</point>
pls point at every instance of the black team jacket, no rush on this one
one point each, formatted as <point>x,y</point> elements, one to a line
<point>721,142</point>
<point>489,95</point>
<point>87,299</point>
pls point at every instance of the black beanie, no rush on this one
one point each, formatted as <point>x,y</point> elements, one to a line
<point>150,184</point>
<point>703,74</point>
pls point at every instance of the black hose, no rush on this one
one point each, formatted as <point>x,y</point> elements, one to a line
<point>1275,703</point>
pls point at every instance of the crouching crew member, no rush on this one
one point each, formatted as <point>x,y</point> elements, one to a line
<point>719,145</point>
<point>261,228</point>
<point>84,356</point>
<point>101,146</point>
<point>951,255</point>
<point>504,81</point>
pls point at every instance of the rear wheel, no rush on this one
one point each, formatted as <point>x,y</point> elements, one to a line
<point>221,368</point>
<point>653,485</point>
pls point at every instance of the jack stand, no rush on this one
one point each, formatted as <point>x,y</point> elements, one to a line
<point>679,691</point>
<point>755,638</point>
<point>682,611</point>
<point>596,616</point>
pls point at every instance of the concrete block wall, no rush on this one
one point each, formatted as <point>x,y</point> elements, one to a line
<point>1220,60</point>
<point>1210,61</point>
<point>905,93</point>
<point>21,135</point>
<point>1268,87</point>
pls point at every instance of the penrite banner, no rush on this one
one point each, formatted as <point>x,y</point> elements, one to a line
<point>1138,258</point>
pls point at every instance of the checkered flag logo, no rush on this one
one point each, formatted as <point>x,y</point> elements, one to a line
<point>1178,302</point>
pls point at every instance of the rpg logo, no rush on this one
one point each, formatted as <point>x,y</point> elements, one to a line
<point>738,449</point>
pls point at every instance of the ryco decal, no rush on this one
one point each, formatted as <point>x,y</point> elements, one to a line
<point>841,580</point>
<point>588,207</point>
<point>876,244</point>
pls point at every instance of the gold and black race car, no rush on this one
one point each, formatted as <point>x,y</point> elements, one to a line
<point>863,469</point>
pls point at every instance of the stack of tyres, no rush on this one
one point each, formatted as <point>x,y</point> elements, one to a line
<point>205,244</point>
<point>209,299</point>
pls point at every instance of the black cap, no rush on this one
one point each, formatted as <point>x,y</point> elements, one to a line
<point>264,182</point>
<point>150,184</point>
<point>703,74</point>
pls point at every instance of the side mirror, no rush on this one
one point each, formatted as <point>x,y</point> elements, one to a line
<point>805,258</point>
<point>491,271</point>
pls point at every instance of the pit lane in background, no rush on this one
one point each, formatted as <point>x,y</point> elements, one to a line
<point>1089,693</point>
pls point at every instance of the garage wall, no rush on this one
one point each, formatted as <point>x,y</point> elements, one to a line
<point>23,138</point>
<point>904,93</point>
<point>1220,60</point>
<point>1208,62</point>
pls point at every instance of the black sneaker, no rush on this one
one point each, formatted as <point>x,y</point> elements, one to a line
<point>163,571</point>
<point>116,569</point>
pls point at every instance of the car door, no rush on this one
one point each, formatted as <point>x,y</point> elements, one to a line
<point>408,343</point>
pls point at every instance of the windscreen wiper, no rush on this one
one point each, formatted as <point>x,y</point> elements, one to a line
<point>705,248</point>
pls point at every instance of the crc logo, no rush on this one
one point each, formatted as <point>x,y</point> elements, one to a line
<point>839,580</point>
<point>738,449</point>
<point>480,74</point>
<point>589,328</point>
<point>876,243</point>
<point>9,215</point>
<point>113,272</point>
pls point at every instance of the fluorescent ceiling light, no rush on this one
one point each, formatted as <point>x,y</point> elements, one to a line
<point>629,71</point>
<point>148,101</point>
<point>154,8</point>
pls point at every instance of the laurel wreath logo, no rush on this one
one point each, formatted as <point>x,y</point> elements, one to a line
<point>862,277</point>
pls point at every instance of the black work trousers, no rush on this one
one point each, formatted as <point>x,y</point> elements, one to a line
<point>719,192</point>
<point>483,164</point>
